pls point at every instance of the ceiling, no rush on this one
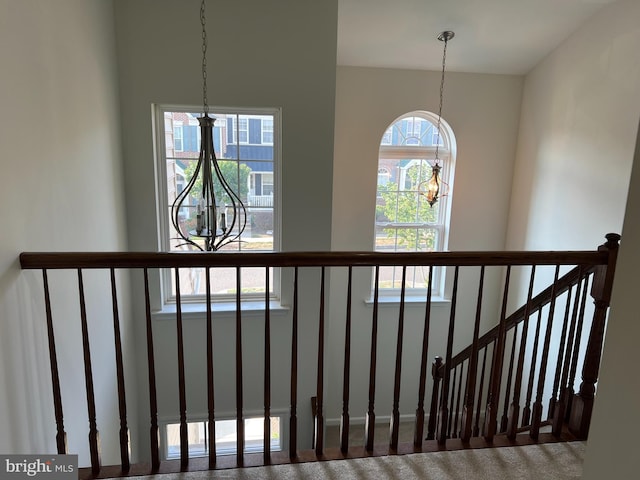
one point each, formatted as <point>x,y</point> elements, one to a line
<point>492,36</point>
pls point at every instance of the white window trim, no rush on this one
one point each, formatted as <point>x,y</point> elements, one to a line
<point>165,300</point>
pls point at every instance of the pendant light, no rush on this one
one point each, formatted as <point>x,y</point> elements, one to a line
<point>220,215</point>
<point>434,188</point>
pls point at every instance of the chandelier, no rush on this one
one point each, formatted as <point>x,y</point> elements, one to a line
<point>434,188</point>
<point>220,215</point>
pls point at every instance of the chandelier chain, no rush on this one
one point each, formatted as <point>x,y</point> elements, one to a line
<point>438,127</point>
<point>203,22</point>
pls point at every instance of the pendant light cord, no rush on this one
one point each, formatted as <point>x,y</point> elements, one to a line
<point>203,22</point>
<point>438,127</point>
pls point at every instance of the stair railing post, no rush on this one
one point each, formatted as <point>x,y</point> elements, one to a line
<point>582,406</point>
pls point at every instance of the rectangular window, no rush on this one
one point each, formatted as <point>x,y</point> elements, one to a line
<point>240,164</point>
<point>225,437</point>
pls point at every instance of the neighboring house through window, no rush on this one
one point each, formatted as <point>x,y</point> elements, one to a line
<point>404,220</point>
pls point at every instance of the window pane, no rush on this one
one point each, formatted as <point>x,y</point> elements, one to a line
<point>407,239</point>
<point>225,437</point>
<point>223,281</point>
<point>416,277</point>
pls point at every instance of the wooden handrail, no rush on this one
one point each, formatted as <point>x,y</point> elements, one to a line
<point>84,260</point>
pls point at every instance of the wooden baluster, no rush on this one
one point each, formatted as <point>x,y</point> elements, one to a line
<point>514,413</point>
<point>151,369</point>
<point>210,379</point>
<point>537,405</point>
<point>444,413</point>
<point>565,393</point>
<point>489,386</point>
<point>601,293</point>
<point>122,401</point>
<point>319,443</point>
<point>436,373</point>
<point>61,435</point>
<point>455,432</point>
<point>476,427</point>
<point>505,412</point>
<point>419,426</point>
<point>563,337</point>
<point>267,372</point>
<point>293,419</point>
<point>576,349</point>
<point>395,413</point>
<point>467,414</point>
<point>344,421</point>
<point>239,384</point>
<point>370,420</point>
<point>94,436</point>
<point>182,393</point>
<point>491,415</point>
<point>452,396</point>
<point>526,412</point>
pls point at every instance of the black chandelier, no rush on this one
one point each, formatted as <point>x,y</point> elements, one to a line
<point>434,188</point>
<point>221,217</point>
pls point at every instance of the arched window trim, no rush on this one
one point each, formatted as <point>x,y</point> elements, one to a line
<point>447,157</point>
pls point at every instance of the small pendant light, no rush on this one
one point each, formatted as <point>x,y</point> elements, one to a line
<point>434,188</point>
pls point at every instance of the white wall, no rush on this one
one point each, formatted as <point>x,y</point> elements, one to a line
<point>577,132</point>
<point>616,419</point>
<point>60,190</point>
<point>262,54</point>
<point>483,111</point>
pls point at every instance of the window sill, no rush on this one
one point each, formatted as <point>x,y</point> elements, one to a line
<point>393,301</point>
<point>218,310</point>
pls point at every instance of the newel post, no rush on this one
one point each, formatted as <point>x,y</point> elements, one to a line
<point>582,405</point>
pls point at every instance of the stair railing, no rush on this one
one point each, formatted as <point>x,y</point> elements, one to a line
<point>486,382</point>
<point>462,405</point>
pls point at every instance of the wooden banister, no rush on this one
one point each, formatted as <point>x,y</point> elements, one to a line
<point>86,260</point>
<point>467,384</point>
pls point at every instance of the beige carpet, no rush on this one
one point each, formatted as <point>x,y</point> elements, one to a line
<point>553,461</point>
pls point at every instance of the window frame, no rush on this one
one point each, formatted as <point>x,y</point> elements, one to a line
<point>446,155</point>
<point>161,184</point>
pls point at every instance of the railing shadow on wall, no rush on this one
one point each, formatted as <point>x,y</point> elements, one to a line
<point>516,377</point>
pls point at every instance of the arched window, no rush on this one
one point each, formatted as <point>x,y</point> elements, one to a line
<point>405,222</point>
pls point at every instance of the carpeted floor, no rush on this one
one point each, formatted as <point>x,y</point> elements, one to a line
<point>553,461</point>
